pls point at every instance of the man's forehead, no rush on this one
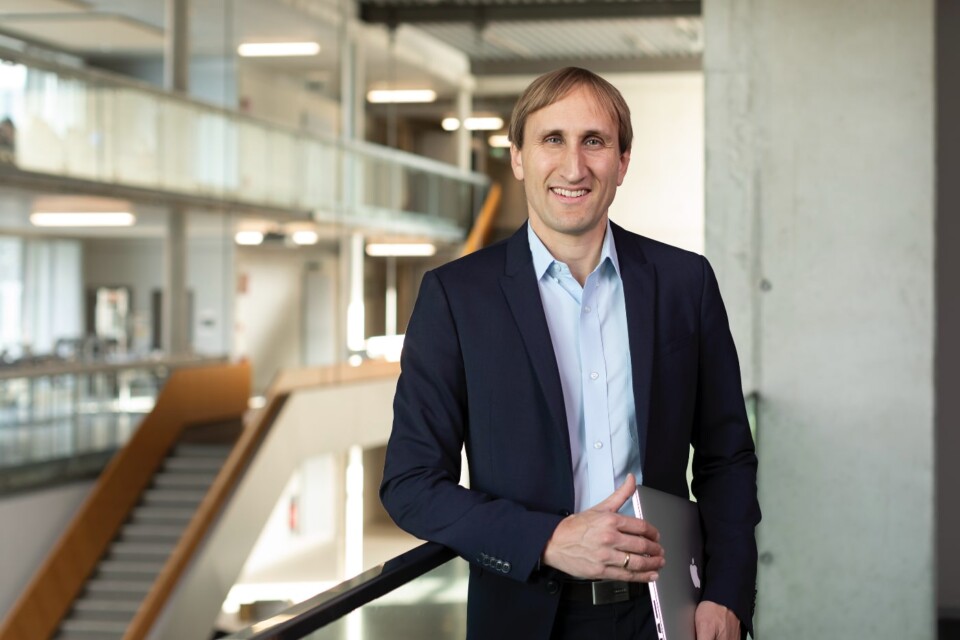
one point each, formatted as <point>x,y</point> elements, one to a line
<point>555,116</point>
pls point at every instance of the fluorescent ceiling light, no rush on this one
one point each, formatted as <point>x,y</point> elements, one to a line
<point>387,249</point>
<point>82,219</point>
<point>380,96</point>
<point>476,123</point>
<point>305,237</point>
<point>249,238</point>
<point>499,140</point>
<point>277,49</point>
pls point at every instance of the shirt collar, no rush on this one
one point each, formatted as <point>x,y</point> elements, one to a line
<point>542,258</point>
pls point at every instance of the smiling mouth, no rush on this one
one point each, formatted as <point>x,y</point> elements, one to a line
<point>570,193</point>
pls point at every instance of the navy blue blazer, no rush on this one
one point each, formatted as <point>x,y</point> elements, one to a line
<point>478,369</point>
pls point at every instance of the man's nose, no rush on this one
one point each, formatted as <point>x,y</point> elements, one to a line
<point>573,166</point>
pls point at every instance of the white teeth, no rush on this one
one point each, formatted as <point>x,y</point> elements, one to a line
<point>567,193</point>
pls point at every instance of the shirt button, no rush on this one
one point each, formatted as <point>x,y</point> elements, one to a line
<point>586,309</point>
<point>594,375</point>
<point>598,445</point>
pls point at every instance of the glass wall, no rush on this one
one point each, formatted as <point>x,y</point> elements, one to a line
<point>91,126</point>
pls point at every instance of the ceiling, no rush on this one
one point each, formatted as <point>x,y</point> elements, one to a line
<point>404,40</point>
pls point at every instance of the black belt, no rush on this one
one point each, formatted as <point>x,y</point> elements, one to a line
<point>599,591</point>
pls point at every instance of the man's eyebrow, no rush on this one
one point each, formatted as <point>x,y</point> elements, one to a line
<point>589,133</point>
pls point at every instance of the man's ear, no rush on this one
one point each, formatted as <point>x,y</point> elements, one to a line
<point>516,162</point>
<point>624,163</point>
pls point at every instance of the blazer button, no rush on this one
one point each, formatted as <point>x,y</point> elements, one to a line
<point>564,512</point>
<point>499,565</point>
<point>506,567</point>
<point>553,587</point>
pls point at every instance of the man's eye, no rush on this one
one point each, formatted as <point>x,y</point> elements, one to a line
<point>594,142</point>
<point>553,140</point>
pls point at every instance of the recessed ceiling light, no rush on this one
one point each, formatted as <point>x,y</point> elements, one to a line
<point>406,249</point>
<point>249,238</point>
<point>82,219</point>
<point>305,237</point>
<point>381,96</point>
<point>475,123</point>
<point>278,49</point>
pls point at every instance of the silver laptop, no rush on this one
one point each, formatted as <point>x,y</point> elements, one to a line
<point>676,593</point>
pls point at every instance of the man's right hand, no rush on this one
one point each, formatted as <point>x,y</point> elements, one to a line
<point>594,543</point>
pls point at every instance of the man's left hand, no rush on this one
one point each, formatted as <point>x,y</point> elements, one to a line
<point>716,622</point>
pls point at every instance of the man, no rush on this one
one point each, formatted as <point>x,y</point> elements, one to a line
<point>571,361</point>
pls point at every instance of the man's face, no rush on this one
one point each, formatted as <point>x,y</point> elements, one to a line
<point>570,165</point>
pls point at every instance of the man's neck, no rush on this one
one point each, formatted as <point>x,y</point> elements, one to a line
<point>581,253</point>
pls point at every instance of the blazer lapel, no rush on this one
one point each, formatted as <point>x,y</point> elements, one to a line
<point>639,292</point>
<point>519,285</point>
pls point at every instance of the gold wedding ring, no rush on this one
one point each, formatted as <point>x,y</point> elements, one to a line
<point>626,561</point>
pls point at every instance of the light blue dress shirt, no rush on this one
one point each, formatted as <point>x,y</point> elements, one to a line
<point>588,329</point>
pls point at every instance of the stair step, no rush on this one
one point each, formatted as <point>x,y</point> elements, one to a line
<point>102,609</point>
<point>103,588</point>
<point>124,569</point>
<point>140,551</point>
<point>103,628</point>
<point>173,497</point>
<point>190,463</point>
<point>183,480</point>
<point>202,450</point>
<point>151,531</point>
<point>161,515</point>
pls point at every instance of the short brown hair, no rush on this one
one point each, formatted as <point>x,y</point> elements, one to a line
<point>554,86</point>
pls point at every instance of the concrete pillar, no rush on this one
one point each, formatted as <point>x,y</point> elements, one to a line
<point>175,306</point>
<point>176,66</point>
<point>464,135</point>
<point>390,321</point>
<point>820,223</point>
<point>351,266</point>
<point>176,46</point>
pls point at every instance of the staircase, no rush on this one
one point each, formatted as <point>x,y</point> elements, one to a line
<point>127,571</point>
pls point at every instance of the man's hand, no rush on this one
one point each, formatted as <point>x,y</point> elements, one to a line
<point>716,622</point>
<point>596,543</point>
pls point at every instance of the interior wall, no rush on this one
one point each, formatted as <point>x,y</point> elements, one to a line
<point>948,309</point>
<point>269,306</point>
<point>30,524</point>
<point>662,193</point>
<point>820,223</point>
<point>210,277</point>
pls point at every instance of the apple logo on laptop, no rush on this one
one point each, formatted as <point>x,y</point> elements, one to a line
<point>694,574</point>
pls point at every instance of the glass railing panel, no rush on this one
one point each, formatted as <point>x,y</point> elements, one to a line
<point>89,125</point>
<point>432,606</point>
<point>134,138</point>
<point>419,594</point>
<point>54,410</point>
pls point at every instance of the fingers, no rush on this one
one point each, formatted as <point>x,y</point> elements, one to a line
<point>639,568</point>
<point>619,497</point>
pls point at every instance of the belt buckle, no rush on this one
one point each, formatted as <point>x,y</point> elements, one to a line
<point>610,591</point>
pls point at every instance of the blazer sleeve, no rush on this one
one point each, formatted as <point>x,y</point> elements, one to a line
<point>724,464</point>
<point>420,487</point>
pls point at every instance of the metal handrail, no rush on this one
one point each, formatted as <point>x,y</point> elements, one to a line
<point>331,605</point>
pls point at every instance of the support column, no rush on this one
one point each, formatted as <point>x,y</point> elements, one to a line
<point>351,264</point>
<point>820,222</point>
<point>175,320</point>
<point>176,78</point>
<point>464,136</point>
<point>176,46</point>
<point>390,322</point>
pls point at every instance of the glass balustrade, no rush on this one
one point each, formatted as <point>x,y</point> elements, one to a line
<point>55,411</point>
<point>87,125</point>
